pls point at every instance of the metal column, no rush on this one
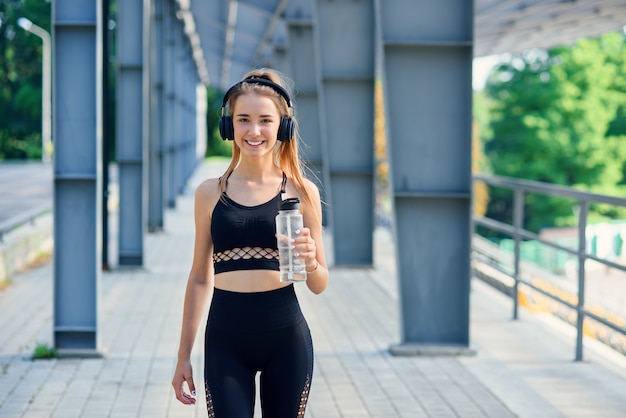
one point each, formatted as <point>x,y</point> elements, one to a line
<point>201,132</point>
<point>172,43</point>
<point>302,65</point>
<point>190,161</point>
<point>130,137</point>
<point>425,53</point>
<point>169,131</point>
<point>77,42</point>
<point>345,32</point>
<point>185,129</point>
<point>190,123</point>
<point>280,58</point>
<point>157,168</point>
<point>179,111</point>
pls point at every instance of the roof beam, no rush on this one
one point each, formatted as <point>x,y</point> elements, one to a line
<point>270,30</point>
<point>229,40</point>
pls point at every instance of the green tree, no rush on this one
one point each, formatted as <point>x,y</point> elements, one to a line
<point>480,164</point>
<point>551,116</point>
<point>216,146</point>
<point>20,78</point>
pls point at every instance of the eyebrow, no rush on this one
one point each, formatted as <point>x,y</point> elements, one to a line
<point>261,116</point>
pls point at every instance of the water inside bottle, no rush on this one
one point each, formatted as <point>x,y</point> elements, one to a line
<point>294,272</point>
<point>292,268</point>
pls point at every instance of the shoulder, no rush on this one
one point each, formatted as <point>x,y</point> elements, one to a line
<point>295,189</point>
<point>207,193</point>
<point>208,187</point>
<point>312,202</point>
<point>311,188</point>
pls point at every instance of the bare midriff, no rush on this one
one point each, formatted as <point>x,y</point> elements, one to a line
<point>249,281</point>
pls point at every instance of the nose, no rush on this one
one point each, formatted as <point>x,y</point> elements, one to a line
<point>255,129</point>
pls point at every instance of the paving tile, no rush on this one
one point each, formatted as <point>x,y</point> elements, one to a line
<point>521,368</point>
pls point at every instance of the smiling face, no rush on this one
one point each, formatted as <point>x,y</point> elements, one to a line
<point>256,121</point>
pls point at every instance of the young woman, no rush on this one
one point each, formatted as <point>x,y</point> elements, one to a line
<point>255,323</point>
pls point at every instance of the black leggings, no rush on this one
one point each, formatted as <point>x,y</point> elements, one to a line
<point>262,332</point>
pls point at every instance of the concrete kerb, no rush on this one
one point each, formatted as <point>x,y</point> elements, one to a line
<point>431,350</point>
<point>25,245</point>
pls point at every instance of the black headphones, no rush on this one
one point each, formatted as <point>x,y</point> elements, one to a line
<point>286,127</point>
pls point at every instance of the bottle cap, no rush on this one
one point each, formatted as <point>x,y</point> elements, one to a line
<point>293,203</point>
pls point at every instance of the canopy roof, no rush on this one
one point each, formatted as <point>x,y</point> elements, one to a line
<point>229,36</point>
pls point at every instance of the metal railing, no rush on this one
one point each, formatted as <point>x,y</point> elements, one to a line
<point>28,216</point>
<point>516,231</point>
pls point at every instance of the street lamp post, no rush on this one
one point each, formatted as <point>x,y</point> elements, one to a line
<point>46,107</point>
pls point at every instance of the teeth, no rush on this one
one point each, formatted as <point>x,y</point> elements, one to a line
<point>255,142</point>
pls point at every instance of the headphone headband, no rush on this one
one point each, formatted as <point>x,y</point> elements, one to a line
<point>262,81</point>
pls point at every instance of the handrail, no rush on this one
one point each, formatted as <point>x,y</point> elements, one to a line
<point>548,189</point>
<point>518,233</point>
<point>28,216</point>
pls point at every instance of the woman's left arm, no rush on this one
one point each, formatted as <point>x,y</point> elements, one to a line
<point>310,243</point>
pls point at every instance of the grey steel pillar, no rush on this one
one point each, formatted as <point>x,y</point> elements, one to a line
<point>185,128</point>
<point>170,64</point>
<point>178,116</point>
<point>189,108</point>
<point>280,58</point>
<point>345,32</point>
<point>131,151</point>
<point>154,127</point>
<point>77,112</point>
<point>302,66</point>
<point>425,56</point>
<point>200,113</point>
<point>190,120</point>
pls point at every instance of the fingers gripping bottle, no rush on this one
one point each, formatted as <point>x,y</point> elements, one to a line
<point>288,221</point>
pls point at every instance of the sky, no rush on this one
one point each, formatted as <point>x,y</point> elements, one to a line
<point>481,68</point>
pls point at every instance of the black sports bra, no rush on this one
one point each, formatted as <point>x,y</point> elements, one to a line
<point>244,237</point>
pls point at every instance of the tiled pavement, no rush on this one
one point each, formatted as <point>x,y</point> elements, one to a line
<point>521,368</point>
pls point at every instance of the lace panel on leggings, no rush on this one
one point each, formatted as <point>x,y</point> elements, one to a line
<point>246,253</point>
<point>209,402</point>
<point>304,397</point>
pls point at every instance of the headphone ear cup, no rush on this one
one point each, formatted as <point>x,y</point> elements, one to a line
<point>286,129</point>
<point>227,131</point>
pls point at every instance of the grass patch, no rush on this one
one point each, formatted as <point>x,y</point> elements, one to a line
<point>4,284</point>
<point>218,159</point>
<point>40,259</point>
<point>44,351</point>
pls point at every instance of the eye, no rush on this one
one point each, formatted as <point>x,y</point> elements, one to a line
<point>242,119</point>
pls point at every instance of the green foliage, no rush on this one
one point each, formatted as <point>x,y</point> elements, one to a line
<point>216,146</point>
<point>44,351</point>
<point>20,148</point>
<point>481,131</point>
<point>20,79</point>
<point>20,85</point>
<point>558,116</point>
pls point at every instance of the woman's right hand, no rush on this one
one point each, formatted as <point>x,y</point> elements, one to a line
<point>184,374</point>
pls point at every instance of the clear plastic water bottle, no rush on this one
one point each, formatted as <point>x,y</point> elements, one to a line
<point>288,221</point>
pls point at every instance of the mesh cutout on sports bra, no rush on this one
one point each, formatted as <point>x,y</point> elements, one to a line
<point>246,253</point>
